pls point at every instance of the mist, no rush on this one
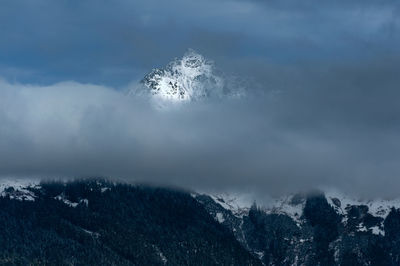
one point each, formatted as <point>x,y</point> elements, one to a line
<point>260,143</point>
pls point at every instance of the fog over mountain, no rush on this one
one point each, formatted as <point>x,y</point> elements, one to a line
<point>256,142</point>
<point>289,97</point>
<point>183,132</point>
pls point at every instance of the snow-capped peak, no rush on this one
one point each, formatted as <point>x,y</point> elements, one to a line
<point>190,78</point>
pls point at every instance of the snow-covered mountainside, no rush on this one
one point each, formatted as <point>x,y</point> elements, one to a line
<point>19,189</point>
<point>346,229</point>
<point>190,78</point>
<point>29,190</point>
<point>99,222</point>
<point>293,205</point>
<point>319,228</point>
<point>237,204</point>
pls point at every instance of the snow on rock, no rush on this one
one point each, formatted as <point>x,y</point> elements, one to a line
<point>104,189</point>
<point>291,205</point>
<point>64,199</point>
<point>190,78</point>
<point>85,202</point>
<point>219,217</point>
<point>259,254</point>
<point>376,207</point>
<point>361,228</point>
<point>376,230</point>
<point>93,234</point>
<point>19,189</point>
<point>163,259</point>
<point>240,204</point>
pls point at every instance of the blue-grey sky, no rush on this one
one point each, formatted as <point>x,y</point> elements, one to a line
<point>322,78</point>
<point>115,42</point>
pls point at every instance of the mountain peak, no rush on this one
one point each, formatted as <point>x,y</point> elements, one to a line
<point>189,78</point>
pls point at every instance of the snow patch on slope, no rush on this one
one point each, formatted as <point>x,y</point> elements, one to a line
<point>240,204</point>
<point>293,205</point>
<point>19,189</point>
<point>376,207</point>
<point>66,201</point>
<point>62,198</point>
<point>220,217</point>
<point>376,230</point>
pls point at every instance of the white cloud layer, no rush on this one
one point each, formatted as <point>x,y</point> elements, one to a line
<point>74,130</point>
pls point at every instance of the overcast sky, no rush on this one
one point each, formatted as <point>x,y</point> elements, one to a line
<point>322,107</point>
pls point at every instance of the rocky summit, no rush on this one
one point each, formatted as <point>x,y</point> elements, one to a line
<point>186,79</point>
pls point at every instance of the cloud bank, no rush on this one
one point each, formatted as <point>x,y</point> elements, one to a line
<point>270,143</point>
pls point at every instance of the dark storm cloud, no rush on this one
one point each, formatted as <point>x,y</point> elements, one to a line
<point>322,106</point>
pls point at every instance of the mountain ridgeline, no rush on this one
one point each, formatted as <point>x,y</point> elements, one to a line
<point>98,222</point>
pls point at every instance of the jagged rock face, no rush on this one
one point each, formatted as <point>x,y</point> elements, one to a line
<point>328,230</point>
<point>186,79</point>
